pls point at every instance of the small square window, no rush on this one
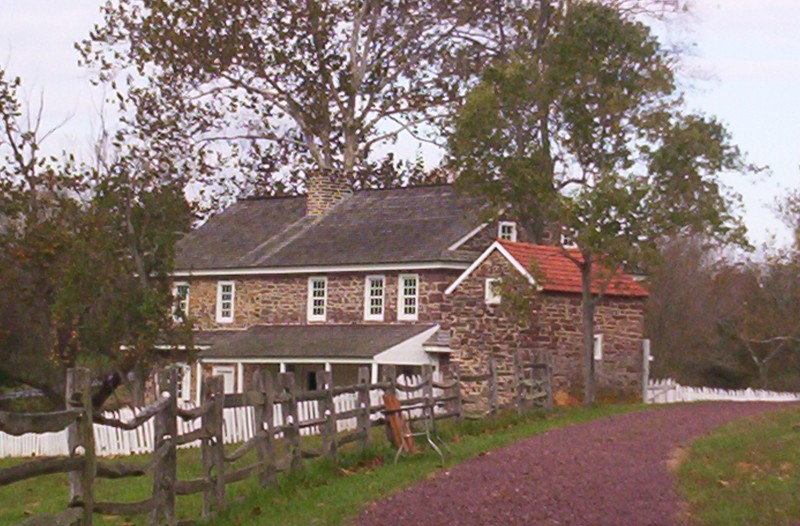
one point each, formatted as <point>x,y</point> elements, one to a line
<point>507,231</point>
<point>598,347</point>
<point>374,297</point>
<point>408,297</point>
<point>226,292</point>
<point>317,298</point>
<point>492,291</point>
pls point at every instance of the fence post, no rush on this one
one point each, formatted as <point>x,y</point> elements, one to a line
<point>212,445</point>
<point>645,369</point>
<point>328,410</point>
<point>548,382</point>
<point>264,420</point>
<point>493,399</point>
<point>165,432</point>
<point>80,440</point>
<point>364,404</point>
<point>458,402</point>
<point>519,383</point>
<point>427,392</point>
<point>389,377</point>
<point>291,420</point>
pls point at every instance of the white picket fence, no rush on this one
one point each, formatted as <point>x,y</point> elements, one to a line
<point>238,427</point>
<point>669,392</point>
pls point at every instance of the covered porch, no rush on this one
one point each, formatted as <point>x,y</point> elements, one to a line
<point>306,349</point>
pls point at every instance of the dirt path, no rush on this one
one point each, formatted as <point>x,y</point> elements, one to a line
<point>609,472</point>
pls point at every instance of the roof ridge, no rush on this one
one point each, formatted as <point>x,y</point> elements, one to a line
<point>270,197</point>
<point>409,187</point>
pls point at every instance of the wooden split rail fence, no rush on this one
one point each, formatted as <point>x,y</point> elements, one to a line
<point>274,448</point>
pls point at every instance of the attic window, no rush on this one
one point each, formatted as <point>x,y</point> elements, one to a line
<point>507,231</point>
<point>374,294</point>
<point>317,298</point>
<point>598,347</point>
<point>226,291</point>
<point>408,297</point>
<point>492,292</point>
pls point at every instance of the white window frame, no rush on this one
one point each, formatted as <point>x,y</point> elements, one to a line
<point>598,347</point>
<point>310,299</point>
<point>513,234</point>
<point>490,294</point>
<point>178,300</point>
<point>185,382</point>
<point>220,309</point>
<point>226,372</point>
<point>368,314</point>
<point>401,297</point>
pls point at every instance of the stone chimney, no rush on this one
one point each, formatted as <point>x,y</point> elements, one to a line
<point>325,189</point>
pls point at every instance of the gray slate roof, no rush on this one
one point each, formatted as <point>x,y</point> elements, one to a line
<point>402,225</point>
<point>312,341</point>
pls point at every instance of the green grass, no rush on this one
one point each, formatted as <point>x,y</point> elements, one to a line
<point>745,473</point>
<point>321,493</point>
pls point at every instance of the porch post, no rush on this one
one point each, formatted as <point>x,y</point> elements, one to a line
<point>374,374</point>
<point>282,367</point>
<point>198,382</point>
<point>240,377</point>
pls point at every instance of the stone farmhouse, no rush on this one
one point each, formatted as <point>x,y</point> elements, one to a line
<point>338,280</point>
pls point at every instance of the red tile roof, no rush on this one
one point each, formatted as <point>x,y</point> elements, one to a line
<point>554,271</point>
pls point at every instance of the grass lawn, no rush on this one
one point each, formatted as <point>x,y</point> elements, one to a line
<point>746,473</point>
<point>321,493</point>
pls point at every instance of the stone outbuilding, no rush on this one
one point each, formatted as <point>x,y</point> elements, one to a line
<point>481,325</point>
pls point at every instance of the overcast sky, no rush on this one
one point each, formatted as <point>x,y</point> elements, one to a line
<point>746,56</point>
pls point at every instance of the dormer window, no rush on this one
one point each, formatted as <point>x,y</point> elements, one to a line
<point>507,231</point>
<point>317,298</point>
<point>568,238</point>
<point>226,292</point>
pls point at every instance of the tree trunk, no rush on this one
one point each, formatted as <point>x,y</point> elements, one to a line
<point>587,307</point>
<point>763,373</point>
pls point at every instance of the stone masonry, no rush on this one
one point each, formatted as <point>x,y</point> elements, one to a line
<point>554,328</point>
<point>282,299</point>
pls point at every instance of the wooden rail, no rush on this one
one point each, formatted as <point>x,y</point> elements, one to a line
<point>424,398</point>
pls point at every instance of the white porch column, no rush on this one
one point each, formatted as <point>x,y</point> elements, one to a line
<point>240,377</point>
<point>199,381</point>
<point>375,378</point>
<point>282,367</point>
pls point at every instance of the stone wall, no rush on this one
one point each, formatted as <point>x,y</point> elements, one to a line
<point>278,300</point>
<point>554,328</point>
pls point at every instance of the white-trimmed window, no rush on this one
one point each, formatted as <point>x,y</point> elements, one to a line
<point>507,230</point>
<point>226,296</point>
<point>491,291</point>
<point>374,297</point>
<point>568,238</point>
<point>317,298</point>
<point>598,347</point>
<point>180,294</point>
<point>408,297</point>
<point>228,374</point>
<point>184,382</point>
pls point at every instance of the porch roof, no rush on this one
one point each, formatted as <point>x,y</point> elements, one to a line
<point>312,341</point>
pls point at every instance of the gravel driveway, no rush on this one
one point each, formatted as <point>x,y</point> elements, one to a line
<point>608,472</point>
